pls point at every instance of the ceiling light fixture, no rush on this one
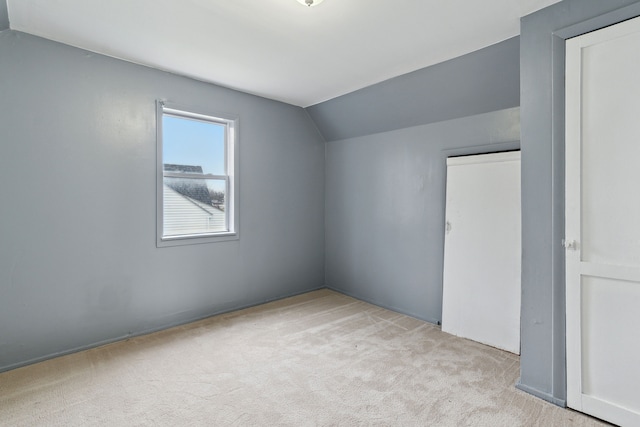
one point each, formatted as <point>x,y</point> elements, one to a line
<point>310,2</point>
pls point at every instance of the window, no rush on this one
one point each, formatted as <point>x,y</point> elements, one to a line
<point>196,186</point>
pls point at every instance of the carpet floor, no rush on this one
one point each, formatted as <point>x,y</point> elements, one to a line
<point>318,359</point>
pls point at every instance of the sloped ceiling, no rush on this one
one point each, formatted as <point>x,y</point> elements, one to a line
<point>278,49</point>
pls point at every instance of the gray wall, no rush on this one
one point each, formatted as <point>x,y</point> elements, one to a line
<point>385,191</point>
<point>480,82</point>
<point>78,257</point>
<point>4,15</point>
<point>385,206</point>
<point>542,105</point>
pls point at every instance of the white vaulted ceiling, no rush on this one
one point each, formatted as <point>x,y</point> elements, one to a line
<point>278,49</point>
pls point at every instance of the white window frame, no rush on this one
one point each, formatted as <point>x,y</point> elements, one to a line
<point>230,122</point>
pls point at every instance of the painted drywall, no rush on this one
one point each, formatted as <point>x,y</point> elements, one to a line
<point>542,103</point>
<point>480,82</point>
<point>78,258</point>
<point>385,208</point>
<point>4,15</point>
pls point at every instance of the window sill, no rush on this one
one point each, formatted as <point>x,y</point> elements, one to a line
<point>196,239</point>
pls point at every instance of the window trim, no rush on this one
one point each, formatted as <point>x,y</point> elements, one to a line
<point>231,123</point>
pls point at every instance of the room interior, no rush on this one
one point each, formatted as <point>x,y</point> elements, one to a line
<point>342,162</point>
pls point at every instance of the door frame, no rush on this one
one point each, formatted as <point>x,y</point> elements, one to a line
<point>543,371</point>
<point>558,128</point>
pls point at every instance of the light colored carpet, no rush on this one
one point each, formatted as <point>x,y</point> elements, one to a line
<point>317,359</point>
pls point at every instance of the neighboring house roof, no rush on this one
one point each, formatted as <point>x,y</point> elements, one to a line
<point>184,215</point>
<point>168,167</point>
<point>192,188</point>
<point>188,207</point>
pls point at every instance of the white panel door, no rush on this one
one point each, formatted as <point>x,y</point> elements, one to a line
<point>603,223</point>
<point>481,286</point>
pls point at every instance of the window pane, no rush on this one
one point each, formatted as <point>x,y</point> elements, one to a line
<point>196,153</point>
<point>193,142</point>
<point>193,206</point>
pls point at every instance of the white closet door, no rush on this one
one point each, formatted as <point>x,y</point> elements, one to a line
<point>603,223</point>
<point>481,286</point>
